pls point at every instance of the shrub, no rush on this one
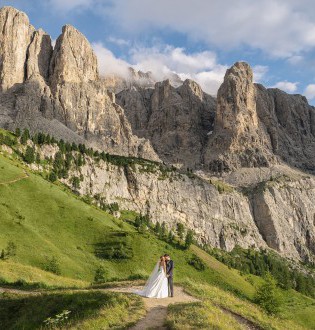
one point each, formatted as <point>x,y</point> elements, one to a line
<point>197,263</point>
<point>267,295</point>
<point>52,177</point>
<point>100,275</point>
<point>52,265</point>
<point>10,250</point>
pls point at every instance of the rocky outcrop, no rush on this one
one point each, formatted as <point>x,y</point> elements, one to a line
<point>258,127</point>
<point>58,90</point>
<point>73,59</point>
<point>284,212</point>
<point>38,55</point>
<point>278,213</point>
<point>15,36</point>
<point>289,122</point>
<point>177,121</point>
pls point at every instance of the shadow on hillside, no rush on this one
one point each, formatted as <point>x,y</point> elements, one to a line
<point>32,311</point>
<point>116,246</point>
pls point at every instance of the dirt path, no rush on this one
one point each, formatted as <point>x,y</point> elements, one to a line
<point>25,176</point>
<point>17,291</point>
<point>157,308</point>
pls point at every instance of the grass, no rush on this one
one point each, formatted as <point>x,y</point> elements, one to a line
<point>14,274</point>
<point>88,310</point>
<point>57,224</point>
<point>7,172</point>
<point>45,220</point>
<point>287,319</point>
<point>203,315</point>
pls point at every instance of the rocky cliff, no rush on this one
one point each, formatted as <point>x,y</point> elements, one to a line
<point>246,126</point>
<point>278,212</point>
<point>177,121</point>
<point>59,90</point>
<point>258,127</point>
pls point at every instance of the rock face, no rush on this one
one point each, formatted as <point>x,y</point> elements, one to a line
<point>38,55</point>
<point>73,59</point>
<point>15,36</point>
<point>289,122</point>
<point>177,121</point>
<point>284,212</point>
<point>279,214</point>
<point>58,90</point>
<point>258,127</point>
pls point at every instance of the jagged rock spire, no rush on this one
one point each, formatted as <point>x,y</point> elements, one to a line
<point>73,59</point>
<point>236,104</point>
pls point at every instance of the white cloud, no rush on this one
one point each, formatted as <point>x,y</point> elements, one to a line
<point>310,91</point>
<point>259,72</point>
<point>118,41</point>
<point>295,59</point>
<point>108,63</point>
<point>286,86</point>
<point>280,28</point>
<point>163,63</point>
<point>68,5</point>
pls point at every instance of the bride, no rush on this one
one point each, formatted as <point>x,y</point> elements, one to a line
<point>157,284</point>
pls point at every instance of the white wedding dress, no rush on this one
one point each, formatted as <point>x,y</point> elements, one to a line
<point>157,284</point>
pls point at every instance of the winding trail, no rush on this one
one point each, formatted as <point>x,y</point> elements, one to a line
<point>156,308</point>
<point>25,176</point>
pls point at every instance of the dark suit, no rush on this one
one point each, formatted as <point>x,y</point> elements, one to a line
<point>169,272</point>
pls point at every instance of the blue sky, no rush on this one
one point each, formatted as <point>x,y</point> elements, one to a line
<point>196,39</point>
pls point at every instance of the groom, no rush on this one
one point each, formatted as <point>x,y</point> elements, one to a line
<point>169,274</point>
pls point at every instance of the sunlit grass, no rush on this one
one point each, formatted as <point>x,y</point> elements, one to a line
<point>88,310</point>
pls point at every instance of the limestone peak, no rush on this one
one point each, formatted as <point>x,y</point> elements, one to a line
<point>73,58</point>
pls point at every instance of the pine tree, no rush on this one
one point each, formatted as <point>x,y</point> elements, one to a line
<point>75,182</point>
<point>52,176</point>
<point>29,156</point>
<point>157,228</point>
<point>18,132</point>
<point>163,232</point>
<point>37,158</point>
<point>170,237</point>
<point>180,230</point>
<point>267,295</point>
<point>25,136</point>
<point>100,275</point>
<point>189,238</point>
<point>137,221</point>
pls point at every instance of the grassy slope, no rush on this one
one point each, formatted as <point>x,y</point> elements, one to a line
<point>58,224</point>
<point>55,223</point>
<point>88,310</point>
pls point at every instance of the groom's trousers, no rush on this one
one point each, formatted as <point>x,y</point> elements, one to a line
<point>170,286</point>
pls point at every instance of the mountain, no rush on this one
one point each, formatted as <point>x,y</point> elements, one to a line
<point>258,127</point>
<point>59,90</point>
<point>73,238</point>
<point>251,149</point>
<point>176,121</point>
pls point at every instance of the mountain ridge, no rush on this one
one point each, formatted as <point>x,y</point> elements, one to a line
<point>247,130</point>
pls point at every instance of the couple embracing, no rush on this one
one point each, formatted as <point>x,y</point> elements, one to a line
<point>160,282</point>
